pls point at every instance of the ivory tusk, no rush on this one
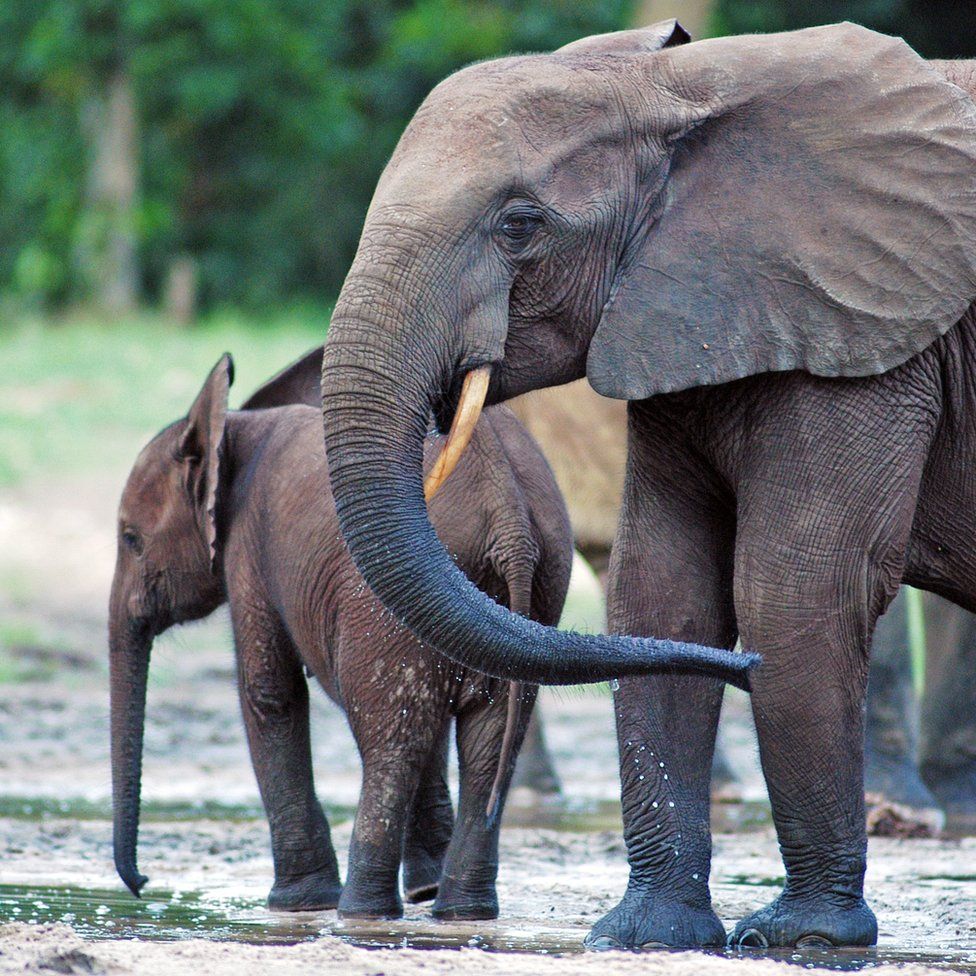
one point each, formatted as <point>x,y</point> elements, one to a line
<point>473,393</point>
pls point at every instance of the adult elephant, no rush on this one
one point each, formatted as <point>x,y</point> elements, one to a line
<point>768,245</point>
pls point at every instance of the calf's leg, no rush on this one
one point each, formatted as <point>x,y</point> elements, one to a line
<point>274,702</point>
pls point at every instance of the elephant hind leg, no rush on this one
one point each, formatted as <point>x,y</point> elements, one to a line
<point>949,712</point>
<point>891,774</point>
<point>467,889</point>
<point>397,730</point>
<point>429,827</point>
<point>535,770</point>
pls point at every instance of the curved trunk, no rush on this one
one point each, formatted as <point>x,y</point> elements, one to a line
<point>129,649</point>
<point>376,404</point>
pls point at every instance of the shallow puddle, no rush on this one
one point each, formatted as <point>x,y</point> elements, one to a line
<point>171,916</point>
<point>103,913</point>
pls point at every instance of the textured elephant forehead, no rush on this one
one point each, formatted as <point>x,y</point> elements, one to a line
<point>148,489</point>
<point>499,124</point>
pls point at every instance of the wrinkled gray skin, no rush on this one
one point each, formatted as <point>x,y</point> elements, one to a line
<point>768,244</point>
<point>236,507</point>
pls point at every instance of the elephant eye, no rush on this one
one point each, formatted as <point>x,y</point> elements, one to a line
<point>131,540</point>
<point>519,226</point>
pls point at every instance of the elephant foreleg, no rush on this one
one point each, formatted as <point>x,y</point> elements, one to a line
<point>818,558</point>
<point>274,702</point>
<point>671,576</point>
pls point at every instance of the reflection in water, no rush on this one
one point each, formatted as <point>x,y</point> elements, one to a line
<point>104,913</point>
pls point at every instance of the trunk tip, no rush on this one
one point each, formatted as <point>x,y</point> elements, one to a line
<point>750,661</point>
<point>133,880</point>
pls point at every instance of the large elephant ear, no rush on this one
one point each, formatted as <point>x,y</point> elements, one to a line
<point>298,383</point>
<point>655,37</point>
<point>819,214</point>
<point>201,448</point>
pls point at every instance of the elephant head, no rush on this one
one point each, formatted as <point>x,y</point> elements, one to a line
<point>657,216</point>
<point>166,572</point>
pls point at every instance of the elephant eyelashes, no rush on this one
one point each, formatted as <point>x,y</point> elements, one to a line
<point>518,227</point>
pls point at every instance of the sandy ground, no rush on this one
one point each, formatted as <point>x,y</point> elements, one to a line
<point>205,845</point>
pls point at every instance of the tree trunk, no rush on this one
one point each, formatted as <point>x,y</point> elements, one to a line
<point>106,248</point>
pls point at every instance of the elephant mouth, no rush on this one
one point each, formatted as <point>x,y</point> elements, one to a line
<point>467,406</point>
<point>444,407</point>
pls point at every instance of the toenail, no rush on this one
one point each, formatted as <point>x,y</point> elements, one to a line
<point>814,942</point>
<point>601,943</point>
<point>752,939</point>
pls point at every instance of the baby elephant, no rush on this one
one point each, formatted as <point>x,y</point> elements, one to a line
<point>236,506</point>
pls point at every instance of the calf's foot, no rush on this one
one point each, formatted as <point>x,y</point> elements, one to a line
<point>956,791</point>
<point>458,900</point>
<point>309,893</point>
<point>808,922</point>
<point>421,876</point>
<point>646,921</point>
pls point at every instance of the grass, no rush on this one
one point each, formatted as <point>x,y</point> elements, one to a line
<point>80,395</point>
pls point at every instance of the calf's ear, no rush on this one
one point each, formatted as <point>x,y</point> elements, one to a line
<point>201,448</point>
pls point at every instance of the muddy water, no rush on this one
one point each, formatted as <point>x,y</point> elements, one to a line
<point>108,913</point>
<point>100,914</point>
<point>204,844</point>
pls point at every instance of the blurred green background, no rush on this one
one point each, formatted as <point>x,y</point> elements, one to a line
<point>188,155</point>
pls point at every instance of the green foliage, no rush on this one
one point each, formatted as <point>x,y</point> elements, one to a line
<point>264,125</point>
<point>943,29</point>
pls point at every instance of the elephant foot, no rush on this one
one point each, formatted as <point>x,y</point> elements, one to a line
<point>806,924</point>
<point>457,903</point>
<point>369,905</point>
<point>895,781</point>
<point>421,875</point>
<point>314,892</point>
<point>956,791</point>
<point>725,787</point>
<point>644,921</point>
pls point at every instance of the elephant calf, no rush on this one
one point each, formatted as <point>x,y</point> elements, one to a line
<point>234,506</point>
